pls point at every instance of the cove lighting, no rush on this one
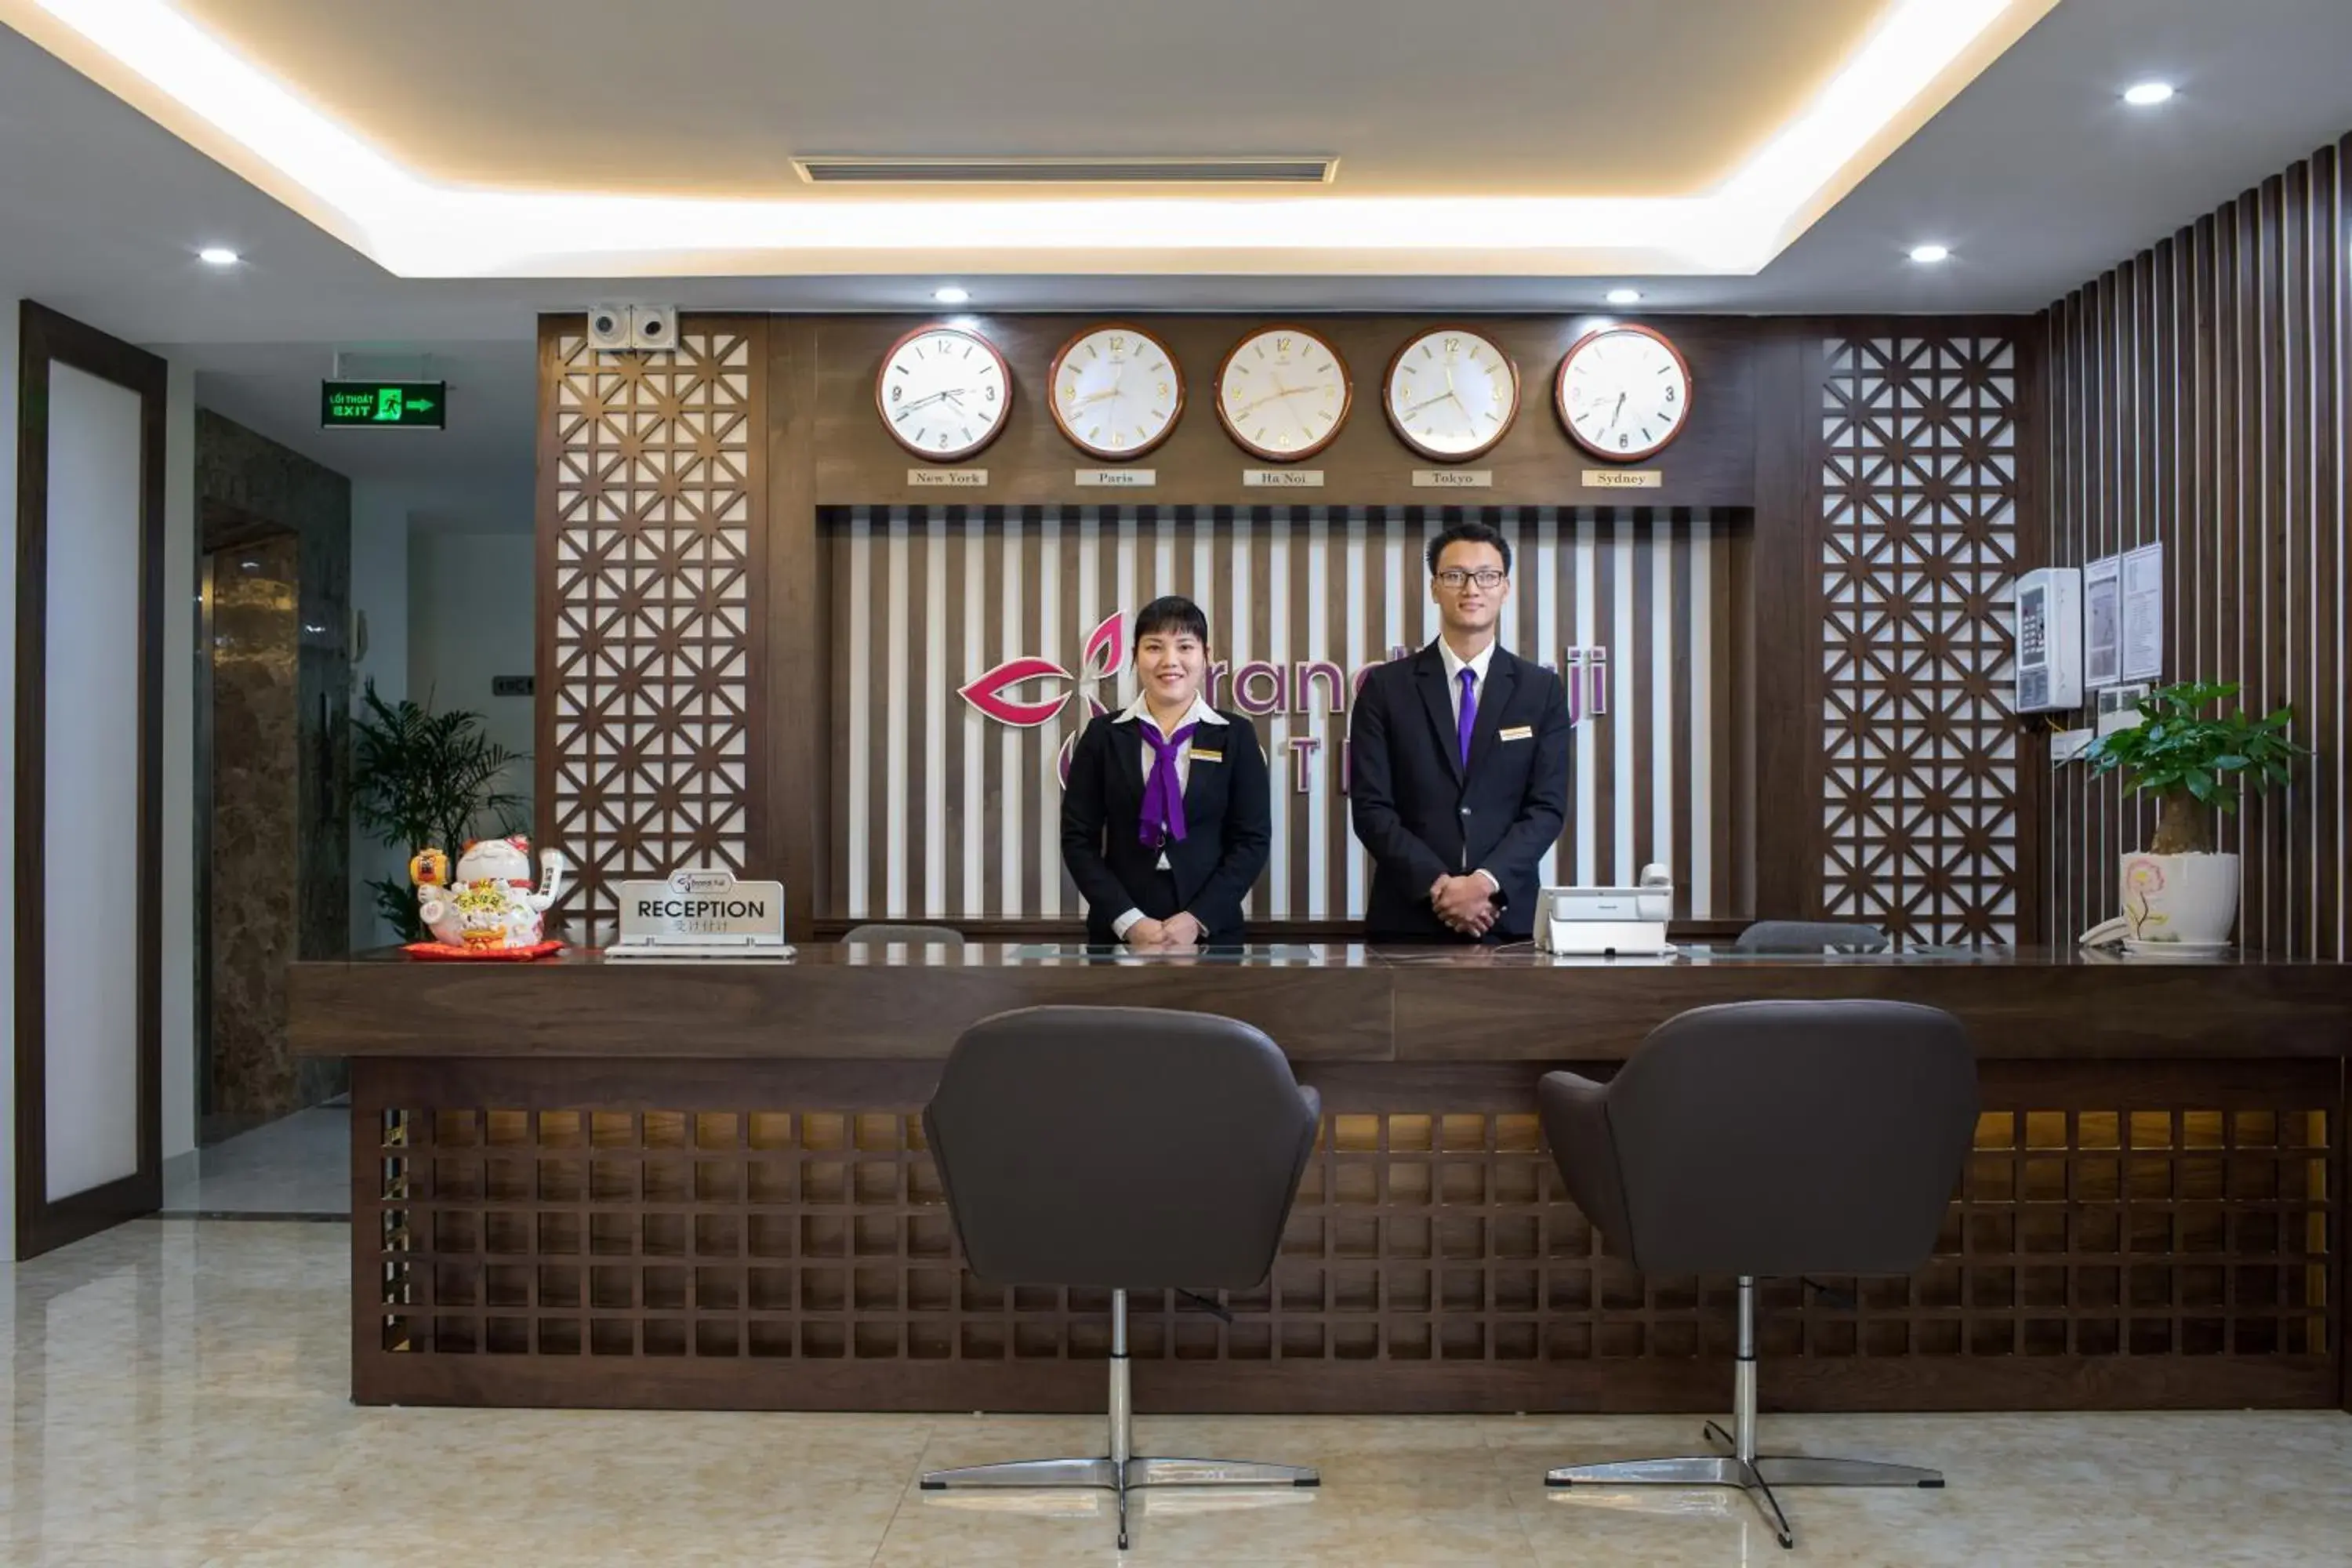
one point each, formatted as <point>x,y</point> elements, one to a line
<point>950,295</point>
<point>1928,254</point>
<point>2146,94</point>
<point>218,256</point>
<point>1624,296</point>
<point>419,226</point>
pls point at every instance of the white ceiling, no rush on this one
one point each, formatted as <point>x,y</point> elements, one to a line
<point>2035,175</point>
<point>1473,96</point>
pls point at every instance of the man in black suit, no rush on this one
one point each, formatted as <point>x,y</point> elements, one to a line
<point>1458,760</point>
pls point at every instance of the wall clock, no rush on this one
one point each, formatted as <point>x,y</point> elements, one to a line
<point>943,392</point>
<point>1624,391</point>
<point>1116,391</point>
<point>1452,394</point>
<point>1283,393</point>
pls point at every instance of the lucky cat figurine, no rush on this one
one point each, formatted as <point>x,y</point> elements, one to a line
<point>490,902</point>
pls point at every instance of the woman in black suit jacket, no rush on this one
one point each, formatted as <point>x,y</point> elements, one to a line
<point>1166,861</point>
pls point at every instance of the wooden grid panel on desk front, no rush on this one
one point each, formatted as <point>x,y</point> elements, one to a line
<point>2132,1239</point>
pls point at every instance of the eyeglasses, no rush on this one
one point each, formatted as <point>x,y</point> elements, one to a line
<point>1453,577</point>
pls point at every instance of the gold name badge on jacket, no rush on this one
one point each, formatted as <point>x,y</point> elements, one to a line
<point>1201,757</point>
<point>1518,733</point>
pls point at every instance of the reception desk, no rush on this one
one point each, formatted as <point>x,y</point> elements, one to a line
<point>577,1182</point>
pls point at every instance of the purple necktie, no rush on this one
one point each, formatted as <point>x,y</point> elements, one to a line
<point>1469,678</point>
<point>1163,792</point>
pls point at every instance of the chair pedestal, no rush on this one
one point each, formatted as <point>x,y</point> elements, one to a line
<point>1739,1465</point>
<point>1122,1470</point>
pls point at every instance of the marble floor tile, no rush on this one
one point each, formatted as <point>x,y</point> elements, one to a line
<point>177,1395</point>
<point>298,1164</point>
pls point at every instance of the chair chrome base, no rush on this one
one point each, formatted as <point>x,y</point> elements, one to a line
<point>1739,1465</point>
<point>1121,1470</point>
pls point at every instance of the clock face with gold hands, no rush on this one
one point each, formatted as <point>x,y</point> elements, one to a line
<point>1116,391</point>
<point>1452,394</point>
<point>1283,393</point>
<point>942,393</point>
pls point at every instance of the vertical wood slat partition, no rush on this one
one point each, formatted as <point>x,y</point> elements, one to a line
<point>2198,400</point>
<point>947,813</point>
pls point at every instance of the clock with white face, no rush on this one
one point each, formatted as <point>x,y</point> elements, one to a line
<point>1116,391</point>
<point>1452,394</point>
<point>943,393</point>
<point>1624,391</point>
<point>1283,393</point>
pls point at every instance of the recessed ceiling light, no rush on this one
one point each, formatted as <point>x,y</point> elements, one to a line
<point>950,295</point>
<point>2146,94</point>
<point>1931,254</point>
<point>1625,296</point>
<point>218,256</point>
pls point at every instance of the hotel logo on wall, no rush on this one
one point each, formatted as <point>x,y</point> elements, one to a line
<point>1259,688</point>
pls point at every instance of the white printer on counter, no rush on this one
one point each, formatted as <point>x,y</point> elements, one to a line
<point>1625,922</point>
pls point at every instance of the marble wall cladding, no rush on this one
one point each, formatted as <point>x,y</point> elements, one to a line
<point>248,487</point>
<point>255,827</point>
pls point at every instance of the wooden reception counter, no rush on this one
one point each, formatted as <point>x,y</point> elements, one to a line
<point>577,1182</point>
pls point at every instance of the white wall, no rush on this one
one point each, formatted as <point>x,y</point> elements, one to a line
<point>91,765</point>
<point>442,572</point>
<point>469,618</point>
<point>178,783</point>
<point>380,514</point>
<point>8,322</point>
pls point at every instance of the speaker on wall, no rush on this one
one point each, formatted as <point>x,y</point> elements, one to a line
<point>608,327</point>
<point>653,327</point>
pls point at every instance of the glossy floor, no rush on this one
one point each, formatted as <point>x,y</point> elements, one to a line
<point>296,1165</point>
<point>177,1391</point>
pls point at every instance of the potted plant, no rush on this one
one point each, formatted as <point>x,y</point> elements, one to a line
<point>421,778</point>
<point>2178,890</point>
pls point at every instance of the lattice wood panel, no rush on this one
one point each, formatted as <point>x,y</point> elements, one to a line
<point>649,728</point>
<point>2098,1251</point>
<point>1921,802</point>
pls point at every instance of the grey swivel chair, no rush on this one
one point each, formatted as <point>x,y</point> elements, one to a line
<point>1770,1138</point>
<point>912,935</point>
<point>1807,936</point>
<point>1120,1147</point>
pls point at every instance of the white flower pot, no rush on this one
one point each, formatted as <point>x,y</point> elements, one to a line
<point>2190,901</point>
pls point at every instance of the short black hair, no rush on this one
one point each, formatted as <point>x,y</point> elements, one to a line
<point>1171,613</point>
<point>1469,533</point>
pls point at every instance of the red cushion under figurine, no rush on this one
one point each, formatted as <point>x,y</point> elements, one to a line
<point>442,950</point>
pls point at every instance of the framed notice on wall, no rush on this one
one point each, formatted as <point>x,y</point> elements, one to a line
<point>2103,621</point>
<point>2143,613</point>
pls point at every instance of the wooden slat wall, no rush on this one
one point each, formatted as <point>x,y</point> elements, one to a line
<point>946,814</point>
<point>2198,398</point>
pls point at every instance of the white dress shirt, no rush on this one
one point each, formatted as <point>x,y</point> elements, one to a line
<point>1455,665</point>
<point>1140,711</point>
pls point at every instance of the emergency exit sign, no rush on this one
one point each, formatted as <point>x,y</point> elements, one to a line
<point>384,404</point>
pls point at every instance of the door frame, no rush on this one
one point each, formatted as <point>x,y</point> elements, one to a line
<point>47,338</point>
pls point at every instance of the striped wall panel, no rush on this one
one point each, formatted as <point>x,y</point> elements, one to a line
<point>2198,399</point>
<point>943,811</point>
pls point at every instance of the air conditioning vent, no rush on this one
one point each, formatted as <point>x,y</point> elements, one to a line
<point>1140,171</point>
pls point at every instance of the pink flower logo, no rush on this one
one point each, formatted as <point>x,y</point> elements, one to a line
<point>996,692</point>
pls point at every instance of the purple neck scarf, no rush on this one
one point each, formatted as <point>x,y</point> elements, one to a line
<point>1163,792</point>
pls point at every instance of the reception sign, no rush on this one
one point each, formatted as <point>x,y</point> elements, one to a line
<point>693,912</point>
